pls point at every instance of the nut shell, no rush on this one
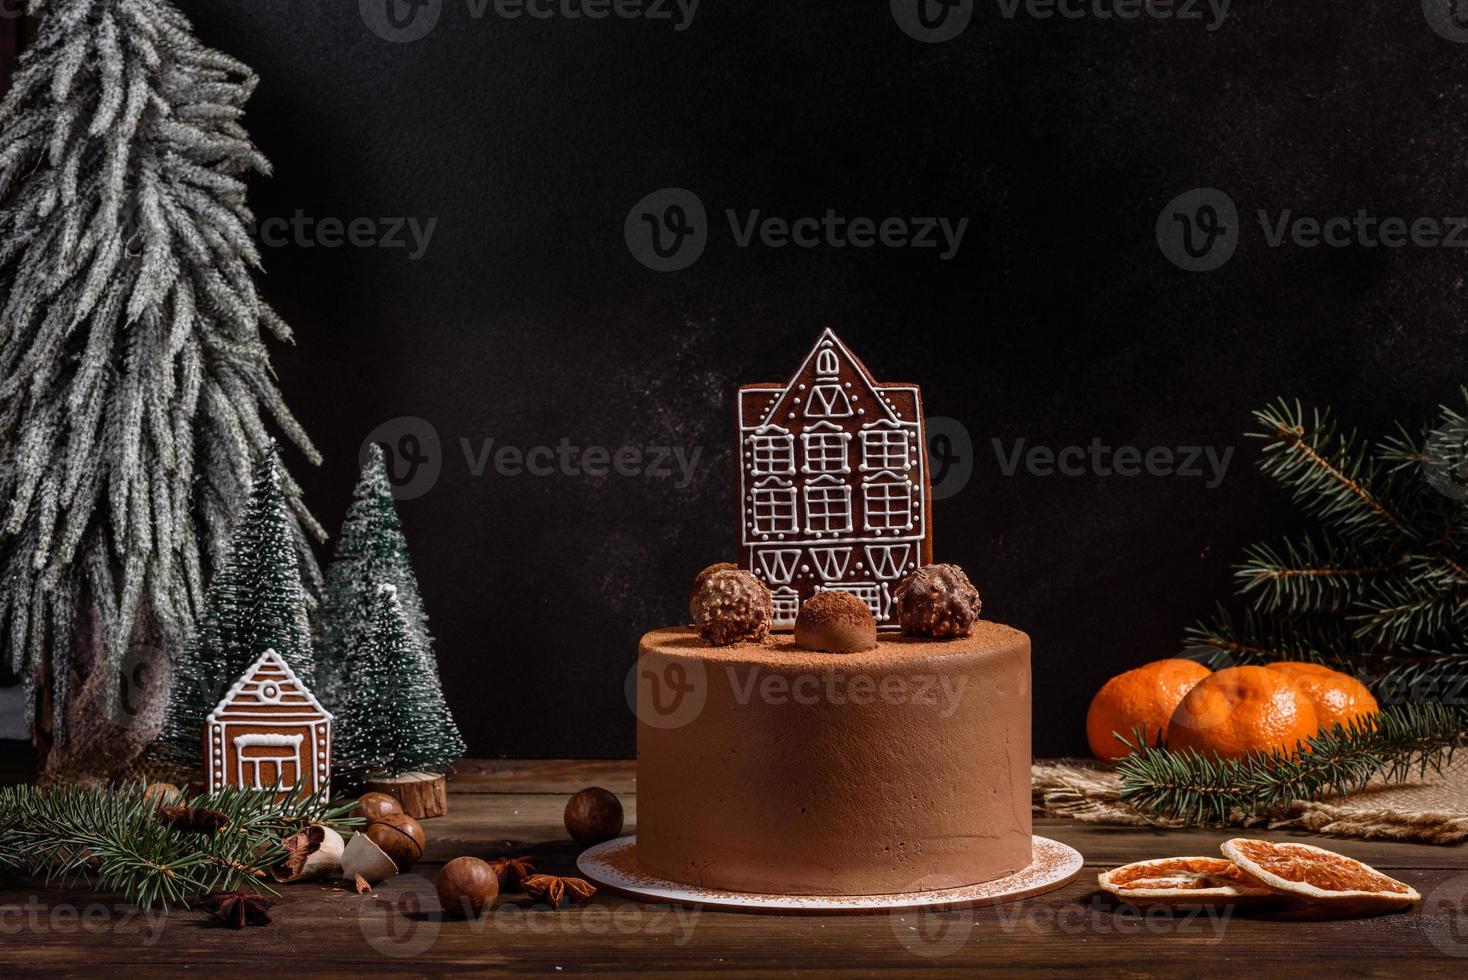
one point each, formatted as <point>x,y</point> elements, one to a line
<point>835,622</point>
<point>163,794</point>
<point>937,601</point>
<point>362,858</point>
<point>593,815</point>
<point>313,852</point>
<point>732,606</point>
<point>400,837</point>
<point>466,886</point>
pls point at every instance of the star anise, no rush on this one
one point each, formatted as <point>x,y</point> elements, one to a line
<point>194,820</point>
<point>555,889</point>
<point>238,909</point>
<point>512,872</point>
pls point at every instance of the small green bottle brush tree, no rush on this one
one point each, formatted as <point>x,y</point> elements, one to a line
<point>395,721</point>
<point>378,672</point>
<point>370,552</point>
<point>256,602</point>
<point>1378,589</point>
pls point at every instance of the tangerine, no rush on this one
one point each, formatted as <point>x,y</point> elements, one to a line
<point>1240,710</point>
<point>1338,698</point>
<point>1144,699</point>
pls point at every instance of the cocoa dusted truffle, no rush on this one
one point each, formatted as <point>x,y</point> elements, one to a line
<point>732,606</point>
<point>835,622</point>
<point>937,601</point>
<point>702,577</point>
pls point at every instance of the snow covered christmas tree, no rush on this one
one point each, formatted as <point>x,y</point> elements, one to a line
<point>395,729</point>
<point>135,386</point>
<point>371,551</point>
<point>255,603</point>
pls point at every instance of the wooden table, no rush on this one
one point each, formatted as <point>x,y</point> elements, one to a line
<point>515,807</point>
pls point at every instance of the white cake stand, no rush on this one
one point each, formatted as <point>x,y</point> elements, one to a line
<point>613,866</point>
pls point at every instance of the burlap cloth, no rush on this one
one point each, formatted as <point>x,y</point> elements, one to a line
<point>1429,810</point>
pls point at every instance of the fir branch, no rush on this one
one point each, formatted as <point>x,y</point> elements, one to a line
<point>1330,472</point>
<point>1389,746</point>
<point>1306,577</point>
<point>1423,675</point>
<point>1441,454</point>
<point>112,838</point>
<point>1251,637</point>
<point>1382,590</point>
<point>1404,613</point>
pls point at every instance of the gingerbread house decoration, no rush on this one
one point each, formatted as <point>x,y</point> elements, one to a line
<point>269,732</point>
<point>833,483</point>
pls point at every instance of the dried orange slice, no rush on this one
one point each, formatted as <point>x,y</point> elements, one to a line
<point>1182,881</point>
<point>1318,876</point>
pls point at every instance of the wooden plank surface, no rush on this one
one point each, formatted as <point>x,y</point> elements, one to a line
<point>514,807</point>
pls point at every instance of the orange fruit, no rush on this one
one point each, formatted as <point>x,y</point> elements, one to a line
<point>1337,697</point>
<point>1240,710</point>
<point>1183,881</point>
<point>1143,698</point>
<point>1319,877</point>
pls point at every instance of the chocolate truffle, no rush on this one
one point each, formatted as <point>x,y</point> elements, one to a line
<point>702,577</point>
<point>732,606</point>
<point>937,601</point>
<point>835,622</point>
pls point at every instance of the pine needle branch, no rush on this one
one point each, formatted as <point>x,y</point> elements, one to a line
<point>1389,746</point>
<point>1399,614</point>
<point>1330,472</point>
<point>1306,577</point>
<point>1230,640</point>
<point>112,838</point>
<point>1380,590</point>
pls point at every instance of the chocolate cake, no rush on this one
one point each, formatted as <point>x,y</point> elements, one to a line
<point>838,760</point>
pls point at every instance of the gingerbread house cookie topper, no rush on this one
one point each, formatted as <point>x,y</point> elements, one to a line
<point>269,732</point>
<point>833,483</point>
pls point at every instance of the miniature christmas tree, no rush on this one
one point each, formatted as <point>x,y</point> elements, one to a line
<point>137,385</point>
<point>370,551</point>
<point>396,721</point>
<point>255,603</point>
<point>1378,590</point>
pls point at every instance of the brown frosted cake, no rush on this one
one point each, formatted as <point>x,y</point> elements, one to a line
<point>844,758</point>
<point>901,768</point>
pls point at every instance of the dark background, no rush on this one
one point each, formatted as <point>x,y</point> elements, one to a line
<point>1060,320</point>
